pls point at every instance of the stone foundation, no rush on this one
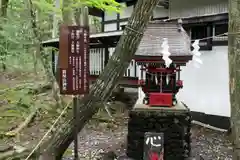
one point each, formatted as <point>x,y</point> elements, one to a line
<point>174,122</point>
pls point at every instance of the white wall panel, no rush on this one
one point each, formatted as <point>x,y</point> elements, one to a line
<point>126,12</point>
<point>110,27</point>
<point>110,16</point>
<point>192,8</point>
<point>206,89</point>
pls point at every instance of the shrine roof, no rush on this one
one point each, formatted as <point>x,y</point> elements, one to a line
<point>179,42</point>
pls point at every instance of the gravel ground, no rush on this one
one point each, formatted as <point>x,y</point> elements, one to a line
<point>101,139</point>
<point>206,144</point>
<point>210,145</point>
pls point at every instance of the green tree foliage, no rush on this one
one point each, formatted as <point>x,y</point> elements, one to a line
<point>107,5</point>
<point>17,52</point>
<point>17,38</point>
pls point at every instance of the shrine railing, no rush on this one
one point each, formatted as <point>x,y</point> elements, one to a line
<point>97,59</point>
<point>97,62</point>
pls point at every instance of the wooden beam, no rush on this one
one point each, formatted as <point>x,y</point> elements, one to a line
<point>115,21</point>
<point>220,43</point>
<point>181,60</point>
<point>204,19</point>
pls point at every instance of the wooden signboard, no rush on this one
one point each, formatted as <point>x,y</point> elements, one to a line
<point>153,146</point>
<point>74,60</point>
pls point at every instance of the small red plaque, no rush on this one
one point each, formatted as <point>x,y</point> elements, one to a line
<point>160,99</point>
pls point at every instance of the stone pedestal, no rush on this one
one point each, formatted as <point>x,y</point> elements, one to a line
<point>174,123</point>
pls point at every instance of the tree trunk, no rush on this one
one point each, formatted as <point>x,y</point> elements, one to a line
<point>67,16</point>
<point>4,6</point>
<point>234,74</point>
<point>106,82</point>
<point>67,12</point>
<point>41,55</point>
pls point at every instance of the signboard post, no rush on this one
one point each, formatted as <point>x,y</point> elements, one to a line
<point>153,146</point>
<point>74,65</point>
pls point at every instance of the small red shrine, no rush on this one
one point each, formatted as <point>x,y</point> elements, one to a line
<point>158,83</point>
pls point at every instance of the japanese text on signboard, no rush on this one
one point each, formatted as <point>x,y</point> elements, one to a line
<point>75,73</point>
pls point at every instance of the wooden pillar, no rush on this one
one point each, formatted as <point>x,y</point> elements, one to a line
<point>118,21</point>
<point>135,68</point>
<point>209,34</point>
<point>141,76</point>
<point>102,24</point>
<point>106,55</point>
<point>53,62</point>
<point>140,95</point>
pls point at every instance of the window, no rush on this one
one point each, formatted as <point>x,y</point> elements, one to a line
<point>200,32</point>
<point>220,29</point>
<point>110,16</point>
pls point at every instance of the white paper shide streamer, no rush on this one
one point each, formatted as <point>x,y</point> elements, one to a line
<point>166,53</point>
<point>141,94</point>
<point>196,54</point>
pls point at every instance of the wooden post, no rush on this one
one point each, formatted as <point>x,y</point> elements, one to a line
<point>75,115</point>
<point>83,22</point>
<point>102,24</point>
<point>53,62</point>
<point>209,34</point>
<point>118,21</point>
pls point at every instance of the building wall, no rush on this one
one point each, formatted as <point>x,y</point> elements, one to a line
<point>160,12</point>
<point>206,88</point>
<point>111,17</point>
<point>157,13</point>
<point>192,8</point>
<point>125,13</point>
